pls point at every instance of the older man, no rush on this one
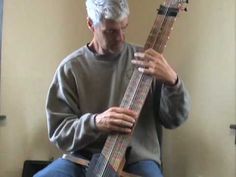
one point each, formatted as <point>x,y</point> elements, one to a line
<point>88,86</point>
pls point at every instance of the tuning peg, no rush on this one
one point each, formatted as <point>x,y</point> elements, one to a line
<point>183,1</point>
<point>182,8</point>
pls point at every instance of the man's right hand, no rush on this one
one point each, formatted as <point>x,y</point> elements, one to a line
<point>116,120</point>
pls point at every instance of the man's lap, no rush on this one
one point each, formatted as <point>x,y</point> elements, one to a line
<point>64,168</point>
<point>145,168</point>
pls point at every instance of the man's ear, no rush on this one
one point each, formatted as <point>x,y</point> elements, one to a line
<point>90,24</point>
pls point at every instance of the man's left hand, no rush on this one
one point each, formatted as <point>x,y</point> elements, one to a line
<point>153,63</point>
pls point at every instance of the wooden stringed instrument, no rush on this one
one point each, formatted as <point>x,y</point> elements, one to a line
<point>111,160</point>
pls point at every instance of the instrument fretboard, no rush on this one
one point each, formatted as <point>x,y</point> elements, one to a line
<point>138,88</point>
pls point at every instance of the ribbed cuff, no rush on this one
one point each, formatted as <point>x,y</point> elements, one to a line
<point>93,122</point>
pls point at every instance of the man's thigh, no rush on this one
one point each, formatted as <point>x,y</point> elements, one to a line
<point>145,168</point>
<point>62,168</point>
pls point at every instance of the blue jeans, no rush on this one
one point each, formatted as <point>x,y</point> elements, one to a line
<point>65,168</point>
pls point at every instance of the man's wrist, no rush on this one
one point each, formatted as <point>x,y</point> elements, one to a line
<point>174,83</point>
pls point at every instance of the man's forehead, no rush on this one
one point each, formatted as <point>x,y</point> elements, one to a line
<point>113,23</point>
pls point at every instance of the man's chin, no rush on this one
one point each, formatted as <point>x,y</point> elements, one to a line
<point>116,49</point>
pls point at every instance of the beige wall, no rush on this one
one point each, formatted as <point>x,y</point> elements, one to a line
<point>38,34</point>
<point>204,46</point>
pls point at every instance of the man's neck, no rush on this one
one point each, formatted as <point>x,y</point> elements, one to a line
<point>94,46</point>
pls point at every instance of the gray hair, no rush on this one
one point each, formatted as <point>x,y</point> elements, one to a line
<point>99,10</point>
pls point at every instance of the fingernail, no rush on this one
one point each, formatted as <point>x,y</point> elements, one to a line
<point>129,130</point>
<point>138,54</point>
<point>141,70</point>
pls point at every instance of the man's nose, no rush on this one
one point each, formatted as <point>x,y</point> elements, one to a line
<point>121,35</point>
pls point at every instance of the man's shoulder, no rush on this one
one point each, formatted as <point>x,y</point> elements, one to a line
<point>75,55</point>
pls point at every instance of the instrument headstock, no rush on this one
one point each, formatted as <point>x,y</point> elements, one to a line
<point>180,4</point>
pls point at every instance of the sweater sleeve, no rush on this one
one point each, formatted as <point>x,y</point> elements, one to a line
<point>68,129</point>
<point>174,105</point>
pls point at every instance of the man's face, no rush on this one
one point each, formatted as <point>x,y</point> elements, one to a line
<point>110,35</point>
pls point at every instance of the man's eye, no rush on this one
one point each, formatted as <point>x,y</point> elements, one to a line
<point>111,31</point>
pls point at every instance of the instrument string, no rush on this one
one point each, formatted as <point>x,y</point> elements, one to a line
<point>105,170</point>
<point>139,80</point>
